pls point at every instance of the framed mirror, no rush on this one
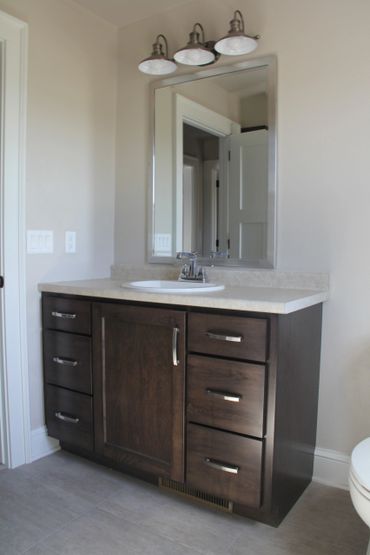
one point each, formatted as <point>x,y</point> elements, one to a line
<point>213,179</point>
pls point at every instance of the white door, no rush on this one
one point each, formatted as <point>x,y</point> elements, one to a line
<point>2,343</point>
<point>14,400</point>
<point>248,191</point>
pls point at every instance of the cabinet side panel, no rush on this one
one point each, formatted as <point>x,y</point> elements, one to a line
<point>299,343</point>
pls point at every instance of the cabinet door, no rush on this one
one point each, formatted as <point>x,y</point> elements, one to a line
<point>139,387</point>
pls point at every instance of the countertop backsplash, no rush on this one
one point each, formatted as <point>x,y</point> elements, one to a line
<point>228,276</point>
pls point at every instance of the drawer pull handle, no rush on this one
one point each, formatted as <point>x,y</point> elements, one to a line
<point>65,361</point>
<point>65,418</point>
<point>225,337</point>
<point>65,315</point>
<point>175,338</point>
<point>218,465</point>
<point>225,395</point>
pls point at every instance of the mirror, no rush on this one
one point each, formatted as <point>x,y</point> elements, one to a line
<point>213,187</point>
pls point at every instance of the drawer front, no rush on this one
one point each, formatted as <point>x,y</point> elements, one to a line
<point>226,394</point>
<point>228,336</point>
<point>67,315</point>
<point>67,360</point>
<point>224,465</point>
<point>69,416</point>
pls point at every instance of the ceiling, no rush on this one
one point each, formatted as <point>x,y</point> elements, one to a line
<point>123,12</point>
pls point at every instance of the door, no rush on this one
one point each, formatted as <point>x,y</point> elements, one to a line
<point>248,169</point>
<point>139,387</point>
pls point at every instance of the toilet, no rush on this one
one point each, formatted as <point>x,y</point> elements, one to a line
<point>359,481</point>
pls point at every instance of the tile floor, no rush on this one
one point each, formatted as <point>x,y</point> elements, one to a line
<point>65,505</point>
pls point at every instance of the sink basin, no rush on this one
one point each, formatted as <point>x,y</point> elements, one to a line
<point>172,286</point>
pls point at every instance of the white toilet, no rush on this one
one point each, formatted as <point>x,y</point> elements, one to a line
<point>359,481</point>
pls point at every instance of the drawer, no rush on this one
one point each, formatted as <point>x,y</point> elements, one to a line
<point>67,360</point>
<point>69,416</point>
<point>67,315</point>
<point>226,394</point>
<point>228,336</point>
<point>224,465</point>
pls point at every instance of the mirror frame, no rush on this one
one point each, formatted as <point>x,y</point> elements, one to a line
<point>271,63</point>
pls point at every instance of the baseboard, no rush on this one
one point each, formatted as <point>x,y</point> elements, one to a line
<point>331,468</point>
<point>41,444</point>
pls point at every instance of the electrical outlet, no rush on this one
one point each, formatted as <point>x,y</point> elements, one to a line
<point>70,242</point>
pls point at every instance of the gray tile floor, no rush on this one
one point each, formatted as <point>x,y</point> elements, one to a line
<point>68,506</point>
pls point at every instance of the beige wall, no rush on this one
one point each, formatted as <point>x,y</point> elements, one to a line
<point>72,66</point>
<point>254,110</point>
<point>323,52</point>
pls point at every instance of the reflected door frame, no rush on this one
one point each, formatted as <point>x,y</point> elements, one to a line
<point>192,113</point>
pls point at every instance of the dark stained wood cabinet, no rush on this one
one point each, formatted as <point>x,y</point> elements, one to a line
<point>139,384</point>
<point>68,370</point>
<point>219,404</point>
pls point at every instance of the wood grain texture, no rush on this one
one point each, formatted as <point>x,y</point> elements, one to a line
<point>82,310</point>
<point>139,393</point>
<point>254,333</point>
<point>297,389</point>
<point>245,453</point>
<point>206,374</point>
<point>72,348</point>
<point>75,405</point>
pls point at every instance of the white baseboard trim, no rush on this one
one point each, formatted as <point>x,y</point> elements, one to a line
<point>41,444</point>
<point>331,468</point>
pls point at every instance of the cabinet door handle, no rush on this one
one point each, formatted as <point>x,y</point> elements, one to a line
<point>65,361</point>
<point>65,418</point>
<point>225,395</point>
<point>225,337</point>
<point>175,337</point>
<point>65,315</point>
<point>218,465</point>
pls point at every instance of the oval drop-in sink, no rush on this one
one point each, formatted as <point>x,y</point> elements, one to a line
<point>172,286</point>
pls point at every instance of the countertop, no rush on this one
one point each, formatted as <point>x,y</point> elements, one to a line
<point>275,300</point>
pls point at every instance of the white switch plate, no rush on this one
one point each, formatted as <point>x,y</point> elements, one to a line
<point>40,241</point>
<point>163,244</point>
<point>70,242</point>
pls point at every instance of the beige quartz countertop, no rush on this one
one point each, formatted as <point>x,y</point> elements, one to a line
<point>274,300</point>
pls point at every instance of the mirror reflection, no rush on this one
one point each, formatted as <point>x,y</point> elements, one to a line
<point>213,178</point>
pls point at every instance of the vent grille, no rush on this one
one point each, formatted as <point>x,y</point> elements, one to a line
<point>201,496</point>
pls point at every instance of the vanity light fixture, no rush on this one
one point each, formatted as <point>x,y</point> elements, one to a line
<point>158,63</point>
<point>197,52</point>
<point>236,42</point>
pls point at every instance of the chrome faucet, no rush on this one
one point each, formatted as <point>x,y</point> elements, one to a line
<point>190,271</point>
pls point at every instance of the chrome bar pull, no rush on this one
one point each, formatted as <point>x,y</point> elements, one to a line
<point>225,337</point>
<point>65,361</point>
<point>225,395</point>
<point>225,467</point>
<point>65,418</point>
<point>175,338</point>
<point>64,315</point>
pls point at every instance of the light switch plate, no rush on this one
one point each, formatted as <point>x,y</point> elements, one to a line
<point>70,242</point>
<point>40,241</point>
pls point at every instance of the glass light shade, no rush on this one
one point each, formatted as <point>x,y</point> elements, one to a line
<point>236,45</point>
<point>157,66</point>
<point>195,56</point>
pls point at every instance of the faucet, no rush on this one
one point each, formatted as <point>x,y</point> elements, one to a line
<point>190,271</point>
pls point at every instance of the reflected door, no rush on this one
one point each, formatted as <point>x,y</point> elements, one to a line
<point>248,169</point>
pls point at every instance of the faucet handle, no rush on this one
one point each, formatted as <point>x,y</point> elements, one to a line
<point>185,254</point>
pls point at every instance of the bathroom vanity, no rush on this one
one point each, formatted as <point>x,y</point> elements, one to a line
<point>214,396</point>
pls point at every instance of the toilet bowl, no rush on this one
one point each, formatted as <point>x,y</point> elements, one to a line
<point>359,481</point>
